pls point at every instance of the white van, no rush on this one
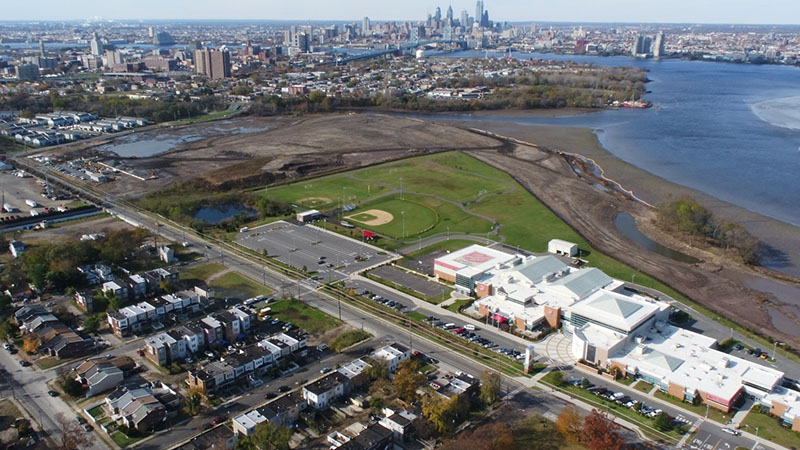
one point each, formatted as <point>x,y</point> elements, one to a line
<point>469,327</point>
<point>449,325</point>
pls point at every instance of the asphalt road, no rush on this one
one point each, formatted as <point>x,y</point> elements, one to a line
<point>29,387</point>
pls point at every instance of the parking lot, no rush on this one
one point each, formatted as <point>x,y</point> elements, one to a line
<point>413,282</point>
<point>16,190</point>
<point>708,438</point>
<point>332,256</point>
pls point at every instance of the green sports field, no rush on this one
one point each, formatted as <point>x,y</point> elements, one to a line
<point>418,217</point>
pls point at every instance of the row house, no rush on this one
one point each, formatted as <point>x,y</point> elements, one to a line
<point>96,274</point>
<point>137,408</point>
<point>165,348</point>
<point>55,338</point>
<point>322,392</point>
<point>294,341</point>
<point>134,318</point>
<point>219,374</point>
<point>283,411</point>
<point>98,376</point>
<point>393,354</point>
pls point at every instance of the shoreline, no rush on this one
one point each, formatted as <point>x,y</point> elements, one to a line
<point>781,239</point>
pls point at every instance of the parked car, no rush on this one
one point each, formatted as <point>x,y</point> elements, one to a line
<point>284,389</point>
<point>52,393</point>
<point>218,420</point>
<point>87,428</point>
<point>731,431</point>
<point>24,363</point>
<point>270,395</point>
<point>325,370</point>
<point>80,420</point>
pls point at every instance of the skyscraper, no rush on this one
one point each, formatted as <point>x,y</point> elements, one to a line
<point>41,47</point>
<point>366,28</point>
<point>438,14</point>
<point>450,14</point>
<point>464,18</point>
<point>658,46</point>
<point>479,13</point>
<point>95,45</point>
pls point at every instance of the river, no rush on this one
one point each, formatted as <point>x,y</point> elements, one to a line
<point>729,130</point>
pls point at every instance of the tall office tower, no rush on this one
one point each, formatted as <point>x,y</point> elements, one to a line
<point>366,28</point>
<point>479,12</point>
<point>150,32</point>
<point>533,28</point>
<point>27,72</point>
<point>642,45</point>
<point>450,14</point>
<point>41,47</point>
<point>658,46</point>
<point>447,34</point>
<point>95,45</point>
<point>464,18</point>
<point>438,14</point>
<point>302,41</point>
<point>485,19</point>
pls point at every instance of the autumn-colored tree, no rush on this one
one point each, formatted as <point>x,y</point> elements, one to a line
<point>31,343</point>
<point>267,436</point>
<point>601,433</point>
<point>443,413</point>
<point>493,436</point>
<point>490,387</point>
<point>569,423</point>
<point>407,379</point>
<point>193,402</point>
<point>378,369</point>
<point>72,435</point>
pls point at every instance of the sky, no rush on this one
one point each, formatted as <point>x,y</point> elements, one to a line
<point>636,11</point>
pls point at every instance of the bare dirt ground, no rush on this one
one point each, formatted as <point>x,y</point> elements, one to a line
<point>285,147</point>
<point>591,211</point>
<point>73,230</point>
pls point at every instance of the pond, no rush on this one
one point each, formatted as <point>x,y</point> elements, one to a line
<point>626,225</point>
<point>219,213</point>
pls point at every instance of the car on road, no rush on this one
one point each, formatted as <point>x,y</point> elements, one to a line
<point>52,393</point>
<point>24,363</point>
<point>325,370</point>
<point>218,420</point>
<point>109,356</point>
<point>731,431</point>
<point>284,389</point>
<point>80,420</point>
<point>270,395</point>
<point>87,428</point>
<point>209,354</point>
<point>7,346</point>
<point>50,304</point>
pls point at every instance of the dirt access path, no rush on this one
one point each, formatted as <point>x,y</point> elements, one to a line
<point>591,211</point>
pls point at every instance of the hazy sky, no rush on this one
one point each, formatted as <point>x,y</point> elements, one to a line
<point>691,11</point>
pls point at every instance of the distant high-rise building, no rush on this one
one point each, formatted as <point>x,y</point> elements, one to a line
<point>163,38</point>
<point>485,19</point>
<point>641,46</point>
<point>438,14</point>
<point>479,12</point>
<point>658,45</point>
<point>450,14</point>
<point>113,57</point>
<point>41,47</point>
<point>366,28</point>
<point>95,45</point>
<point>214,64</point>
<point>28,72</point>
<point>464,18</point>
<point>150,32</point>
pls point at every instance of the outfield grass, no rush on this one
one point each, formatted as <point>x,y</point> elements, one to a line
<point>713,414</point>
<point>200,272</point>
<point>306,317</point>
<point>769,428</point>
<point>418,217</point>
<point>330,188</point>
<point>233,284</point>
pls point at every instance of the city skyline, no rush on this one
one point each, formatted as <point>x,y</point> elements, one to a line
<point>585,11</point>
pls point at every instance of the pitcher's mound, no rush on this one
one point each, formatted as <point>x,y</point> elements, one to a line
<point>372,217</point>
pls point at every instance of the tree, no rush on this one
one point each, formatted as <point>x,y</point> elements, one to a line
<point>72,387</point>
<point>8,328</point>
<point>601,433</point>
<point>5,302</point>
<point>569,423</point>
<point>662,422</point>
<point>407,379</point>
<point>558,378</point>
<point>72,435</point>
<point>193,402</point>
<point>30,344</point>
<point>378,369</point>
<point>267,436</point>
<point>91,323</point>
<point>443,413</point>
<point>490,387</point>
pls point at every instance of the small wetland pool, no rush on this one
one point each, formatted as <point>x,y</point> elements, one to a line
<point>626,225</point>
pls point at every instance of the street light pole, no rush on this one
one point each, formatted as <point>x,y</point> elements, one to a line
<point>403,213</point>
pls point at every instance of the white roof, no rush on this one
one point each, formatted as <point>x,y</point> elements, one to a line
<point>249,420</point>
<point>473,260</point>
<point>688,359</point>
<point>616,310</point>
<point>310,212</point>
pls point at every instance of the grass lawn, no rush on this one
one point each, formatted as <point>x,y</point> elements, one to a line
<point>325,192</point>
<point>769,428</point>
<point>416,315</point>
<point>306,317</point>
<point>48,362</point>
<point>458,304</point>
<point>537,432</point>
<point>713,414</point>
<point>646,423</point>
<point>418,217</point>
<point>626,381</point>
<point>233,284</point>
<point>201,272</point>
<point>122,439</point>
<point>348,338</point>
<point>441,246</point>
<point>97,411</point>
<point>643,386</point>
